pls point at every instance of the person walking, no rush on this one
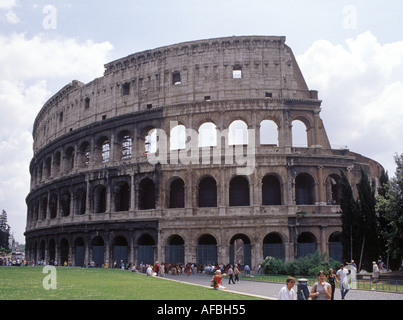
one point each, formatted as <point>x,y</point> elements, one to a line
<point>331,279</point>
<point>236,273</point>
<point>231,275</point>
<point>342,274</point>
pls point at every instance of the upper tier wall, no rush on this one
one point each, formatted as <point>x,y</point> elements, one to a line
<point>182,73</point>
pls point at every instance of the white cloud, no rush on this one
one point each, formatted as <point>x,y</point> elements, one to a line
<point>58,58</point>
<point>28,67</point>
<point>7,4</point>
<point>360,83</point>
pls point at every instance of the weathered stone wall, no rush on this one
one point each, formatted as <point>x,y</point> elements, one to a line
<point>94,183</point>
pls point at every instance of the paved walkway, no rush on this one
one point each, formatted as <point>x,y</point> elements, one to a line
<point>269,290</point>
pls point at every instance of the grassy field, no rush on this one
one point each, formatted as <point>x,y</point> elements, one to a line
<point>26,283</point>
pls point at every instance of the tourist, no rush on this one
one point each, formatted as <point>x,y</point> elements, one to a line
<point>321,290</point>
<point>231,275</point>
<point>287,292</point>
<point>342,276</point>
<point>236,273</point>
<point>331,278</point>
<point>217,280</point>
<point>375,271</point>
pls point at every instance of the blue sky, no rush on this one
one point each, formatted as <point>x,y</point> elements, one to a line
<point>350,51</point>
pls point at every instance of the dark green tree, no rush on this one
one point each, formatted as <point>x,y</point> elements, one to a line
<point>349,220</point>
<point>390,209</point>
<point>368,222</point>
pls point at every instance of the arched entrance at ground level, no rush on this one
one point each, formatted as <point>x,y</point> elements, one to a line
<point>98,251</point>
<point>273,246</point>
<point>64,251</point>
<point>145,249</point>
<point>175,250</point>
<point>120,250</point>
<point>335,247</point>
<point>51,252</point>
<point>79,248</point>
<point>240,250</point>
<point>206,250</point>
<point>306,244</point>
<point>42,251</point>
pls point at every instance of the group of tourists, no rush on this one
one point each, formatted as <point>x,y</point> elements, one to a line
<point>323,289</point>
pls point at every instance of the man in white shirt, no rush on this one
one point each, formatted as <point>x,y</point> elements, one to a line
<point>342,275</point>
<point>287,292</point>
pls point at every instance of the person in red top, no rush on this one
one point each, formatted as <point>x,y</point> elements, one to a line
<point>156,268</point>
<point>217,278</point>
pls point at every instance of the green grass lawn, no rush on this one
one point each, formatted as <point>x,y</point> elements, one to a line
<point>26,283</point>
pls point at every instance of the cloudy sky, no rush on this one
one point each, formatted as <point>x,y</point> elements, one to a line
<point>350,51</point>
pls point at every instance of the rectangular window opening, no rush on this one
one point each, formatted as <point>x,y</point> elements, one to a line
<point>176,78</point>
<point>237,72</point>
<point>126,88</point>
<point>87,103</point>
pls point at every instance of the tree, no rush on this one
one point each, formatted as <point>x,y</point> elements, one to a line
<point>390,208</point>
<point>368,222</point>
<point>349,220</point>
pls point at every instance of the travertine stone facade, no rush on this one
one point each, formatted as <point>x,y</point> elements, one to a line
<point>98,194</point>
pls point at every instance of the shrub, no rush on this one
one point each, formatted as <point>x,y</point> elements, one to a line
<point>304,266</point>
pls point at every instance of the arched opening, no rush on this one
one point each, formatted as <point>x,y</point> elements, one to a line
<point>53,206</point>
<point>306,244</point>
<point>84,154</point>
<point>105,150</point>
<point>147,194</point>
<point>271,191</point>
<point>44,207</point>
<point>65,200</point>
<point>177,137</point>
<point>207,192</point>
<point>98,251</point>
<point>335,246</point>
<point>207,135</point>
<point>150,142</point>
<point>238,133</point>
<point>145,249</point>
<point>304,189</point>
<point>51,252</point>
<point>333,189</point>
<point>273,246</point>
<point>268,133</point>
<point>120,250</point>
<point>80,201</point>
<point>100,199</point>
<point>207,250</point>
<point>299,134</point>
<point>64,251</point>
<point>79,246</point>
<point>69,159</point>
<point>126,145</point>
<point>175,250</point>
<point>239,191</point>
<point>122,196</point>
<point>240,250</point>
<point>177,194</point>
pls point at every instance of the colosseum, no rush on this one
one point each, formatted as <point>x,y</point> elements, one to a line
<point>188,153</point>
